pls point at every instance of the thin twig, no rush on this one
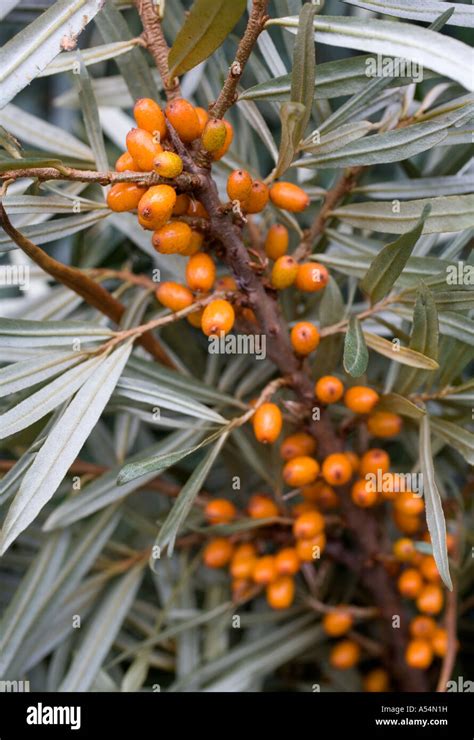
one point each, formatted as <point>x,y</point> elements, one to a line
<point>157,46</point>
<point>183,182</point>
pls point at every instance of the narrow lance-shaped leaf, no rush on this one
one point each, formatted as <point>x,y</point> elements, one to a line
<point>403,355</point>
<point>433,507</point>
<point>207,25</point>
<point>460,439</point>
<point>304,65</point>
<point>400,405</point>
<point>421,10</point>
<point>291,115</point>
<point>424,337</point>
<point>389,263</point>
<point>356,354</point>
<point>90,114</point>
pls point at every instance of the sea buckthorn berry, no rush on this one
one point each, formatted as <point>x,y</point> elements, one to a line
<point>322,494</point>
<point>344,655</point>
<point>384,424</point>
<point>195,244</point>
<point>419,654</point>
<point>218,318</point>
<point>328,389</point>
<point>277,241</point>
<point>430,601</point>
<point>182,116</point>
<point>220,511</point>
<point>226,282</point>
<point>261,507</point>
<point>217,553</point>
<point>264,571</point>
<point>404,550</point>
<point>297,444</point>
<point>240,588</point>
<point>304,337</point>
<point>174,296</point>
<point>280,593</point>
<point>195,318</point>
<point>124,196</point>
<point>361,399</point>
<point>289,197</point>
<point>311,277</point>
<point>429,569</point>
<point>239,185</point>
<point>405,523</point>
<point>287,562</point>
<point>337,469</point>
<point>267,423</point>
<point>374,460</point>
<point>410,583</point>
<point>143,148</point>
<point>155,206</point>
<point>450,542</point>
<point>376,681</point>
<point>172,238</point>
<point>200,272</point>
<point>257,199</point>
<point>150,117</point>
<point>242,564</point>
<point>308,525</point>
<point>311,549</point>
<point>423,627</point>
<point>213,136</point>
<point>125,162</point>
<point>353,459</point>
<point>181,206</point>
<point>363,494</point>
<point>229,135</point>
<point>203,117</point>
<point>302,507</point>
<point>245,550</point>
<point>168,164</point>
<point>439,642</point>
<point>284,272</point>
<point>409,503</point>
<point>196,209</point>
<point>338,622</point>
<point>300,471</point>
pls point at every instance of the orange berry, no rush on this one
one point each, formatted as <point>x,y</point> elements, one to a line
<point>362,495</point>
<point>125,162</point>
<point>195,318</point>
<point>280,593</point>
<point>213,136</point>
<point>243,563</point>
<point>429,569</point>
<point>181,205</point>
<point>297,444</point>
<point>172,238</point>
<point>344,655</point>
<point>239,185</point>
<point>220,511</point>
<point>322,494</point>
<point>261,507</point>
<point>302,507</point>
<point>409,503</point>
<point>336,623</point>
<point>245,550</point>
<point>143,148</point>
<point>431,599</point>
<point>150,117</point>
<point>124,196</point>
<point>422,627</point>
<point>300,471</point>
<point>337,469</point>
<point>287,562</point>
<point>276,242</point>
<point>404,550</point>
<point>373,461</point>
<point>289,197</point>
<point>311,549</point>
<point>174,296</point>
<point>311,277</point>
<point>439,642</point>
<point>353,459</point>
<point>392,484</point>
<point>168,164</point>
<point>304,337</point>
<point>200,272</point>
<point>229,135</point>
<point>267,423</point>
<point>203,117</point>
<point>226,282</point>
<point>284,272</point>
<point>217,553</point>
<point>195,244</point>
<point>410,583</point>
<point>156,206</point>
<point>450,542</point>
<point>419,654</point>
<point>376,681</point>
<point>384,424</point>
<point>406,523</point>
<point>361,399</point>
<point>257,199</point>
<point>328,389</point>
<point>308,525</point>
<point>240,588</point>
<point>218,318</point>
<point>265,571</point>
<point>196,208</point>
<point>183,117</point>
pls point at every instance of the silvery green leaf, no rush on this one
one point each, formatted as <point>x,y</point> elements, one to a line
<point>292,117</point>
<point>90,114</point>
<point>67,61</point>
<point>253,116</point>
<point>24,56</point>
<point>47,204</point>
<point>398,404</point>
<point>424,336</point>
<point>356,355</point>
<point>63,445</point>
<point>418,187</point>
<point>420,10</point>
<point>460,439</point>
<point>336,139</point>
<point>331,307</point>
<point>49,231</point>
<point>19,333</point>
<point>27,373</point>
<point>403,355</point>
<point>7,6</point>
<point>450,322</point>
<point>304,67</point>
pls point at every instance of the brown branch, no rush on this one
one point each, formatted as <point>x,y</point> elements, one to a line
<point>228,95</point>
<point>157,46</point>
<point>183,182</point>
<point>93,293</point>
